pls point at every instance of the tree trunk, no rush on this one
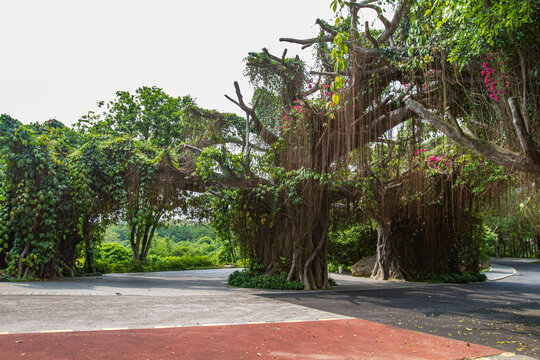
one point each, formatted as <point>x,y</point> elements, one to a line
<point>386,265</point>
<point>89,264</point>
<point>314,275</point>
<point>134,244</point>
<point>312,220</point>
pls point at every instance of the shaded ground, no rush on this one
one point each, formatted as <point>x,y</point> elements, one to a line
<point>504,314</point>
<point>321,340</point>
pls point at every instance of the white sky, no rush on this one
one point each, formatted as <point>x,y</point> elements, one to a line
<point>58,58</point>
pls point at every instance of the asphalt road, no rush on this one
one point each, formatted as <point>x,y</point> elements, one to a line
<point>504,314</point>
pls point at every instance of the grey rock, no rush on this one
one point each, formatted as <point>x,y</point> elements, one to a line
<point>363,267</point>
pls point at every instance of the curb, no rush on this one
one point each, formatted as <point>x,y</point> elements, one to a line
<point>499,272</point>
<point>505,356</point>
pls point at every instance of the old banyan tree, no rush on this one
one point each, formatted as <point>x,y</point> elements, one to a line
<point>398,123</point>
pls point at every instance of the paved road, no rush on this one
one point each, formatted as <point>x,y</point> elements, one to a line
<point>504,314</point>
<point>143,300</point>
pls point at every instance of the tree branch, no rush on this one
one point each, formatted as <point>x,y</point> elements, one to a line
<point>484,148</point>
<point>524,137</point>
<point>326,28</point>
<point>388,121</point>
<point>371,39</point>
<point>267,136</point>
<point>275,58</point>
<point>403,7</point>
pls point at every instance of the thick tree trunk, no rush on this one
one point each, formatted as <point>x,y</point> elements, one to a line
<point>315,274</point>
<point>387,265</point>
<point>301,236</point>
<point>312,248</point>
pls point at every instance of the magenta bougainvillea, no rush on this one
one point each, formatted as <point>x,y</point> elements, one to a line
<point>492,81</point>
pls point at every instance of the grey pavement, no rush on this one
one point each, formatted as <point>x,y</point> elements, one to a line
<point>147,300</point>
<point>141,300</point>
<point>502,268</point>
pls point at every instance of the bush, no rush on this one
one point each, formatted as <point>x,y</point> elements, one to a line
<point>349,245</point>
<point>247,279</point>
<point>112,253</point>
<point>155,263</point>
<point>458,278</point>
<point>334,268</point>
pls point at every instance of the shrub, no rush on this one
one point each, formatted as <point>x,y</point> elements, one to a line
<point>112,252</point>
<point>248,279</point>
<point>334,268</point>
<point>459,278</point>
<point>349,245</point>
<point>155,263</point>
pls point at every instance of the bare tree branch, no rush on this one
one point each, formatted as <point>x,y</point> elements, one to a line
<point>368,5</point>
<point>275,58</point>
<point>267,136</point>
<point>325,27</point>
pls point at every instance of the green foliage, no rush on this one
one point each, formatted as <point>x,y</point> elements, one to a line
<point>46,197</point>
<point>467,29</point>
<point>489,242</point>
<point>509,233</point>
<point>155,263</point>
<point>347,246</point>
<point>458,278</point>
<point>112,253</point>
<point>255,280</point>
<point>179,239</point>
<point>149,114</point>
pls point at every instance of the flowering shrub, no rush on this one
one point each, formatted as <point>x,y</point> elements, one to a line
<point>433,162</point>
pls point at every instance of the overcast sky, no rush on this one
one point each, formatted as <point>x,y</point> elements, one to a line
<point>58,58</point>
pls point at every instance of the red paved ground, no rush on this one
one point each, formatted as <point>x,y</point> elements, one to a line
<point>320,340</point>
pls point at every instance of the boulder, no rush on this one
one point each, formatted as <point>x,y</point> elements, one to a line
<point>363,267</point>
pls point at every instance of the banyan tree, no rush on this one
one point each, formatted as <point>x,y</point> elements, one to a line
<point>318,139</point>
